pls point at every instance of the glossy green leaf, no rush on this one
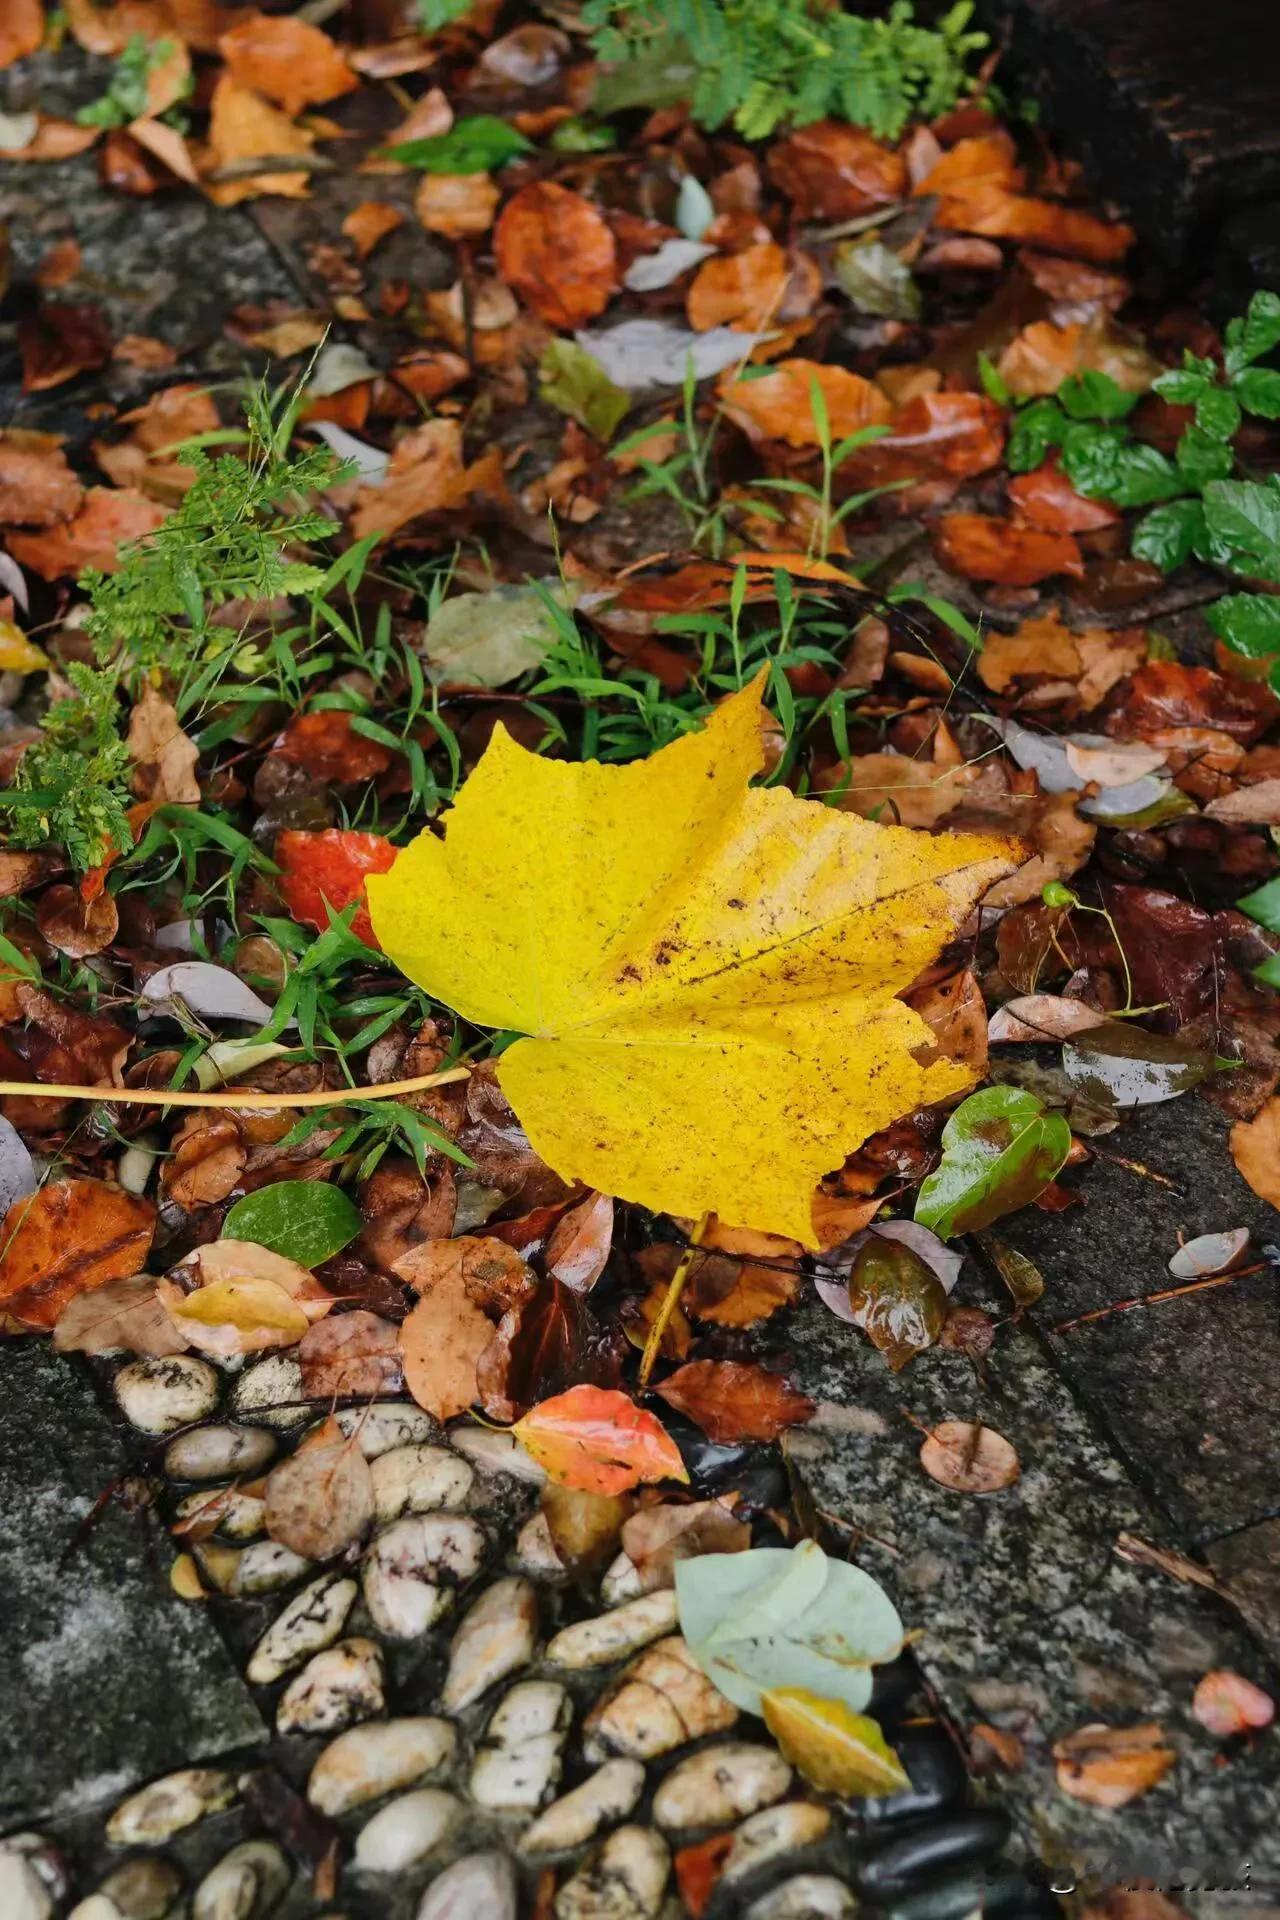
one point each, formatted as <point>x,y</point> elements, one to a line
<point>1035,431</point>
<point>999,1150</point>
<point>1248,622</point>
<point>1095,396</point>
<point>785,1617</point>
<point>1103,464</point>
<point>1245,515</point>
<point>1249,338</point>
<point>1258,391</point>
<point>1218,412</point>
<point>1202,457</point>
<point>1263,905</point>
<point>1167,535</point>
<point>305,1220</point>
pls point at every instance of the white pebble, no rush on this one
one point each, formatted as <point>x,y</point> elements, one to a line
<point>245,1885</point>
<point>215,1453</point>
<point>535,1552</point>
<point>615,1635</point>
<point>419,1480</point>
<point>480,1887</point>
<point>412,1568</point>
<point>721,1784</point>
<point>268,1394</point>
<point>407,1830</point>
<point>368,1762</point>
<point>312,1620</point>
<point>495,1638</point>
<point>158,1811</point>
<point>810,1896</point>
<point>237,1514</point>
<point>387,1424</point>
<point>609,1795</point>
<point>772,1832</point>
<point>625,1880</point>
<point>520,1762</point>
<point>342,1684</point>
<point>245,1572</point>
<point>161,1395</point>
<point>498,1453</point>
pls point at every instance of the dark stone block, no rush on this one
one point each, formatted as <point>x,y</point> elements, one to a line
<point>109,1678</point>
<point>1170,107</point>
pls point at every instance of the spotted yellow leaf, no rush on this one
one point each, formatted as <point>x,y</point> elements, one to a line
<point>706,971</point>
<point>834,1748</point>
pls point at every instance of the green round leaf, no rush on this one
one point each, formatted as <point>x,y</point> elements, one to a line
<point>999,1150</point>
<point>305,1220</point>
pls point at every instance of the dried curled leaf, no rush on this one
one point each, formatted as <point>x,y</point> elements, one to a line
<point>320,1499</point>
<point>712,1001</point>
<point>1226,1703</point>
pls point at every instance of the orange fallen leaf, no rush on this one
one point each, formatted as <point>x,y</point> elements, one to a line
<point>244,126</point>
<point>464,1284</point>
<point>37,486</point>
<point>599,1441</point>
<point>70,1236</point>
<point>984,548</point>
<point>319,871</point>
<point>120,1315</point>
<point>109,29</point>
<point>21,30</point>
<point>779,404</point>
<point>985,159</point>
<point>1046,499</point>
<point>292,63</point>
<point>991,211</point>
<point>742,290</point>
<point>107,519</point>
<point>425,475</point>
<point>320,1500</point>
<point>955,435</point>
<point>457,205</point>
<point>557,252</point>
<point>1038,360</point>
<point>1042,648</point>
<point>53,140</point>
<point>956,1012</point>
<point>1109,1766</point>
<point>371,222</point>
<point>1255,1148</point>
<point>735,1401</point>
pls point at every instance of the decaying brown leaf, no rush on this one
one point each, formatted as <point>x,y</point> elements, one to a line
<point>1109,1766</point>
<point>734,1401</point>
<point>66,1239</point>
<point>320,1500</point>
<point>121,1315</point>
<point>351,1355</point>
<point>968,1458</point>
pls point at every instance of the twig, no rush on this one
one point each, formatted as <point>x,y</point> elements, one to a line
<point>1157,1299</point>
<point>175,1097</point>
<point>671,1300</point>
<point>1137,1166</point>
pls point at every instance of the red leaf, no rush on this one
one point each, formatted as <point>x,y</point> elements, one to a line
<point>734,1401</point>
<point>557,253</point>
<point>599,1441</point>
<point>327,746</point>
<point>316,868</point>
<point>70,1236</point>
<point>1046,499</point>
<point>982,548</point>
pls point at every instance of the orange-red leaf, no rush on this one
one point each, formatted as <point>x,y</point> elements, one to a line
<point>558,254</point>
<point>289,61</point>
<point>599,1441</point>
<point>779,405</point>
<point>322,870</point>
<point>70,1236</point>
<point>1046,499</point>
<point>984,548</point>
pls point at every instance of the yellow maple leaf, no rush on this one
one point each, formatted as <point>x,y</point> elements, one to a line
<point>706,971</point>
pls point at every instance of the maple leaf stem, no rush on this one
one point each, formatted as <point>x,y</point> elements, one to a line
<point>671,1300</point>
<point>175,1097</point>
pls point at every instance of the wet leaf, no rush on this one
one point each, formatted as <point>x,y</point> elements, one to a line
<point>66,1239</point>
<point>1225,1703</point>
<point>323,873</point>
<point>465,1285</point>
<point>243,126</point>
<point>108,518</point>
<point>489,639</point>
<point>21,30</point>
<point>896,1299</point>
<point>578,1248</point>
<point>584,1527</point>
<point>60,341</point>
<point>305,1220</point>
<point>1021,1275</point>
<point>556,252</point>
<point>657,1537</point>
<point>478,143</point>
<point>599,1441</point>
<point>639,354</point>
<point>735,1401</point>
<point>1123,1064</point>
<point>235,1316</point>
<point>570,379</point>
<point>743,290</point>
<point>984,548</point>
<point>876,279</point>
<point>999,1149</point>
<point>351,1356</point>
<point>1109,1766</point>
<point>968,1458</point>
<point>610,1103</point>
<point>289,61</point>
<point>320,1500</point>
<point>37,486</point>
<point>122,1315</point>
<point>543,1345</point>
<point>1041,1018</point>
<point>836,1750</point>
<point>785,1617</point>
<point>215,992</point>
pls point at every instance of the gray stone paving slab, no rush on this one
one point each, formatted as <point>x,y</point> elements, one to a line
<point>109,1677</point>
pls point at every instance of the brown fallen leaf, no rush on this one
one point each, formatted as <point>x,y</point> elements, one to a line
<point>968,1458</point>
<point>743,290</point>
<point>584,1527</point>
<point>835,172</point>
<point>320,1500</point>
<point>458,205</point>
<point>70,1237</point>
<point>164,757</point>
<point>1041,1017</point>
<point>1255,806</point>
<point>1109,1766</point>
<point>119,1316</point>
<point>557,252</point>
<point>465,1285</point>
<point>351,1356</point>
<point>1038,360</point>
<point>656,1537</point>
<point>578,1247</point>
<point>37,487</point>
<point>76,926</point>
<point>108,517</point>
<point>232,1297</point>
<point>426,475</point>
<point>53,140</point>
<point>1041,648</point>
<point>779,405</point>
<point>982,547</point>
<point>995,1749</point>
<point>734,1401</point>
<point>1045,498</point>
<point>956,1013</point>
<point>21,30</point>
<point>59,341</point>
<point>293,63</point>
<point>371,222</point>
<point>1255,1148</point>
